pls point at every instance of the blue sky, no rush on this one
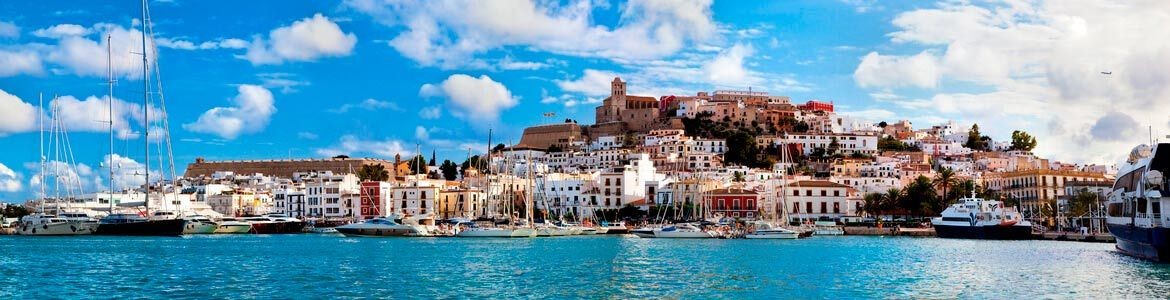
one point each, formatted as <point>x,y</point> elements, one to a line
<point>272,79</point>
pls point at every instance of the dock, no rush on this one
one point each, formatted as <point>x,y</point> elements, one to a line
<point>1074,236</point>
<point>859,230</point>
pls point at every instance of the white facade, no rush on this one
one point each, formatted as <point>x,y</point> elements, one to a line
<point>849,143</point>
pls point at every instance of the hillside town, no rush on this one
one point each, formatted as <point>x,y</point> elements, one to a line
<point>730,154</point>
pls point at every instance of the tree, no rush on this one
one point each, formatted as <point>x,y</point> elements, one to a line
<point>373,172</point>
<point>555,149</point>
<point>920,197</point>
<point>974,139</point>
<point>1082,203</point>
<point>1023,141</point>
<point>741,149</point>
<point>873,204</point>
<point>737,177</point>
<point>883,124</point>
<point>834,145</point>
<point>476,162</point>
<point>418,165</point>
<point>892,199</point>
<point>944,180</point>
<point>498,148</point>
<point>15,211</point>
<point>450,170</point>
<point>432,163</point>
<point>801,127</point>
<point>962,189</point>
<point>889,143</point>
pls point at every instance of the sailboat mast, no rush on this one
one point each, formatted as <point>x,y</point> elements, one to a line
<point>110,102</point>
<point>41,118</point>
<point>145,108</point>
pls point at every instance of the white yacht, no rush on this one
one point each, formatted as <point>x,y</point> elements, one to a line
<point>197,224</point>
<point>827,228</point>
<point>682,231</point>
<point>765,230</point>
<point>382,227</point>
<point>232,225</point>
<point>977,218</point>
<point>644,231</point>
<point>46,224</point>
<point>1137,213</point>
<point>500,232</point>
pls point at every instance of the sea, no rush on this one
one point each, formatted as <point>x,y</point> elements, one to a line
<point>323,266</point>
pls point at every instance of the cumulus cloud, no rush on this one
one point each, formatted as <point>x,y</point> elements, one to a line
<point>62,30</point>
<point>88,115</point>
<point>305,40</point>
<point>727,68</point>
<point>476,99</point>
<point>1034,66</point>
<point>252,108</point>
<point>231,43</point>
<point>9,30</point>
<point>449,33</point>
<point>86,57</point>
<point>20,61</point>
<point>878,70</point>
<point>9,180</point>
<point>352,145</point>
<point>16,115</point>
<point>592,83</point>
<point>430,113</point>
<point>286,82</point>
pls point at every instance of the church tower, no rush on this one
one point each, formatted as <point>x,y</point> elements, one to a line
<point>617,92</point>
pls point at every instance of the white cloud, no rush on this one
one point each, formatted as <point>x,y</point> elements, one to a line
<point>352,145</point>
<point>90,114</point>
<point>231,43</point>
<point>86,57</point>
<point>727,68</point>
<point>9,180</point>
<point>9,30</point>
<point>476,99</point>
<point>421,133</point>
<point>508,64</point>
<point>878,70</point>
<point>23,61</point>
<point>287,82</point>
<point>449,33</point>
<point>16,115</point>
<point>592,83</point>
<point>305,40</point>
<point>1035,66</point>
<point>252,108</point>
<point>369,104</point>
<point>62,30</point>
<point>430,113</point>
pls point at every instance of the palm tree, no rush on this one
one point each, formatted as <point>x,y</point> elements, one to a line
<point>373,172</point>
<point>944,180</point>
<point>891,199</point>
<point>873,204</point>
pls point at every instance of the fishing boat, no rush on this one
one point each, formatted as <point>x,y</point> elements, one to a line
<point>1137,207</point>
<point>197,224</point>
<point>382,227</point>
<point>977,218</point>
<point>232,225</point>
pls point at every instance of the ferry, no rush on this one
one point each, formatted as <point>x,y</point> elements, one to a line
<point>977,218</point>
<point>1136,209</point>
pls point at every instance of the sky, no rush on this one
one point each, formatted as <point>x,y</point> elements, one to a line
<point>374,78</point>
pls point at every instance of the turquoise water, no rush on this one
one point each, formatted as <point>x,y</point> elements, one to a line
<point>325,266</point>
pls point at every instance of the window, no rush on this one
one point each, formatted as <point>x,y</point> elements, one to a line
<point>424,194</point>
<point>824,208</point>
<point>808,193</point>
<point>824,193</point>
<point>808,207</point>
<point>837,193</point>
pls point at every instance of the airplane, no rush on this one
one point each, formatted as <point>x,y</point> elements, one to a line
<point>1107,73</point>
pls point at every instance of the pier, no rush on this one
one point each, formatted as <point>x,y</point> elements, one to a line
<point>859,230</point>
<point>1074,236</point>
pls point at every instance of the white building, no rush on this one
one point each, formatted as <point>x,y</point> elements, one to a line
<point>848,143</point>
<point>811,199</point>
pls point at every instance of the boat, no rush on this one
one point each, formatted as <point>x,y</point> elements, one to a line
<point>766,230</point>
<point>682,231</point>
<point>275,224</point>
<point>197,224</point>
<point>382,227</point>
<point>977,218</point>
<point>643,232</point>
<point>46,224</point>
<point>232,225</point>
<point>827,228</point>
<point>134,224</point>
<point>497,232</point>
<point>618,227</point>
<point>1135,208</point>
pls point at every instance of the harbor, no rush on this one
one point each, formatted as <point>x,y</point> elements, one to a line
<point>310,265</point>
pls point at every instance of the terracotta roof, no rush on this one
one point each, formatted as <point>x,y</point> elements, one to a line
<point>638,202</point>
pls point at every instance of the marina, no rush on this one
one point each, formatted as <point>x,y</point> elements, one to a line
<point>309,265</point>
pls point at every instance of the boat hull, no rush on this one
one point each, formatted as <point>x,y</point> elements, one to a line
<point>199,228</point>
<point>771,236</point>
<point>682,235</point>
<point>497,233</point>
<point>64,228</point>
<point>1145,243</point>
<point>173,227</point>
<point>383,231</point>
<point>642,233</point>
<point>616,230</point>
<point>277,227</point>
<point>989,232</point>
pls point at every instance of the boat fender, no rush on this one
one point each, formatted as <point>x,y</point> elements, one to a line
<point>46,226</point>
<point>74,228</point>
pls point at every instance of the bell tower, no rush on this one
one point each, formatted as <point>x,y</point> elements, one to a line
<point>617,92</point>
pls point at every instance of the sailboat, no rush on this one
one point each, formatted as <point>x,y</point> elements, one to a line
<point>510,230</point>
<point>771,227</point>
<point>60,223</point>
<point>134,223</point>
